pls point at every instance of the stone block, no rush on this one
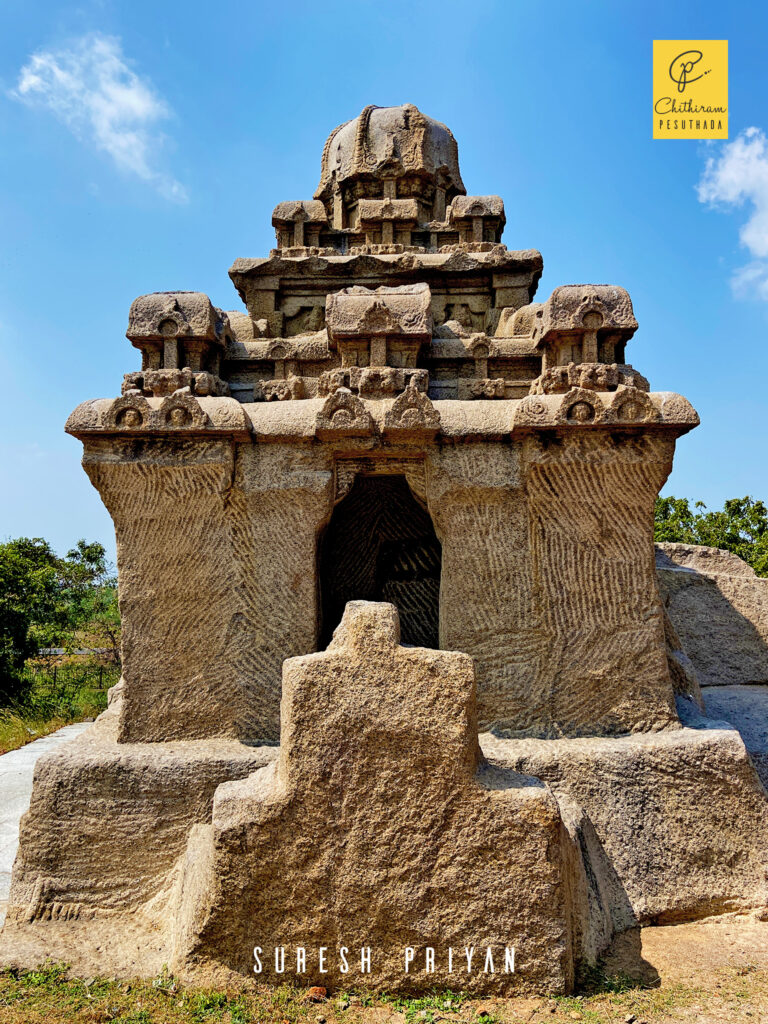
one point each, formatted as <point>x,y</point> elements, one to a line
<point>160,315</point>
<point>380,826</point>
<point>680,815</point>
<point>719,608</point>
<point>105,827</point>
<point>568,304</point>
<point>392,312</point>
<point>746,708</point>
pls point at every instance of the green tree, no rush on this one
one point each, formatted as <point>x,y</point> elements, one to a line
<point>28,587</point>
<point>741,526</point>
<point>675,521</point>
<point>52,602</point>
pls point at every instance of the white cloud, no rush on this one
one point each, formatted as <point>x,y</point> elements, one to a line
<point>90,88</point>
<point>739,175</point>
<point>751,281</point>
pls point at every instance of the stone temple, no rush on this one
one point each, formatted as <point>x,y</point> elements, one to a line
<point>397,674</point>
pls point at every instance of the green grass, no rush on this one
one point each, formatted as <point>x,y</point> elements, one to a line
<point>49,995</point>
<point>430,1007</point>
<point>58,695</point>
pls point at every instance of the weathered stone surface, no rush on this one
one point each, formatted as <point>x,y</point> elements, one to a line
<point>680,815</point>
<point>161,383</point>
<point>591,376</point>
<point>180,411</point>
<point>16,772</point>
<point>719,608</point>
<point>399,139</point>
<point>477,206</point>
<point>106,824</point>
<point>405,310</point>
<point>388,209</point>
<point>569,304</point>
<point>310,210</point>
<point>682,671</point>
<point>580,324</point>
<point>343,415</point>
<point>174,543</point>
<point>590,665</point>
<point>207,619</point>
<point>583,408</point>
<point>699,558</point>
<point>412,416</point>
<point>380,826</point>
<point>161,315</point>
<point>746,708</point>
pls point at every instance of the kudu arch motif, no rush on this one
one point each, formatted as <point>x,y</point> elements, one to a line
<point>395,426</point>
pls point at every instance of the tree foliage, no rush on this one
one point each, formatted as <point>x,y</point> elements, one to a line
<point>47,601</point>
<point>741,526</point>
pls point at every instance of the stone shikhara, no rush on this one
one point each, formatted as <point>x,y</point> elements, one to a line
<point>396,517</point>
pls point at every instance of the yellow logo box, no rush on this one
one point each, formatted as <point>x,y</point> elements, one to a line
<point>690,88</point>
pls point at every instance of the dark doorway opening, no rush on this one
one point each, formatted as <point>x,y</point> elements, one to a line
<point>380,545</point>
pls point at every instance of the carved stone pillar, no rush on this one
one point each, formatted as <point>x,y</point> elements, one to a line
<point>237,524</point>
<point>477,503</point>
<point>282,496</point>
<point>602,666</point>
<point>548,581</point>
<point>169,500</point>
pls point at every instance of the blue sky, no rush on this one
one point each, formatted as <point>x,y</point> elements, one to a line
<point>145,144</point>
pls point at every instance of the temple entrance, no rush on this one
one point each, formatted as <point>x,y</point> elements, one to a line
<point>380,545</point>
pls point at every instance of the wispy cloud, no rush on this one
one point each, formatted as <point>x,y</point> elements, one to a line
<point>90,87</point>
<point>738,175</point>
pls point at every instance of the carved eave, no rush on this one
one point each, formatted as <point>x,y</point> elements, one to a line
<point>339,271</point>
<point>177,415</point>
<point>460,421</point>
<point>626,408</point>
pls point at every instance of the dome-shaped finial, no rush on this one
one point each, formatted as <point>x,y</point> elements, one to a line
<point>390,143</point>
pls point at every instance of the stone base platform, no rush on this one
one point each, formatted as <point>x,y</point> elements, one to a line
<point>98,846</point>
<point>380,828</point>
<point>380,823</point>
<point>671,825</point>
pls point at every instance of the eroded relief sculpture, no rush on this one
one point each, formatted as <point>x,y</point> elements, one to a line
<point>396,670</point>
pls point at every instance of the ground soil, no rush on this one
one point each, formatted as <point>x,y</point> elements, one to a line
<point>710,972</point>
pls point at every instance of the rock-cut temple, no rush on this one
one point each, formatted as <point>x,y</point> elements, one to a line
<point>396,670</point>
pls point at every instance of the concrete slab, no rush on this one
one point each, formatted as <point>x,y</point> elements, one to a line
<point>16,772</point>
